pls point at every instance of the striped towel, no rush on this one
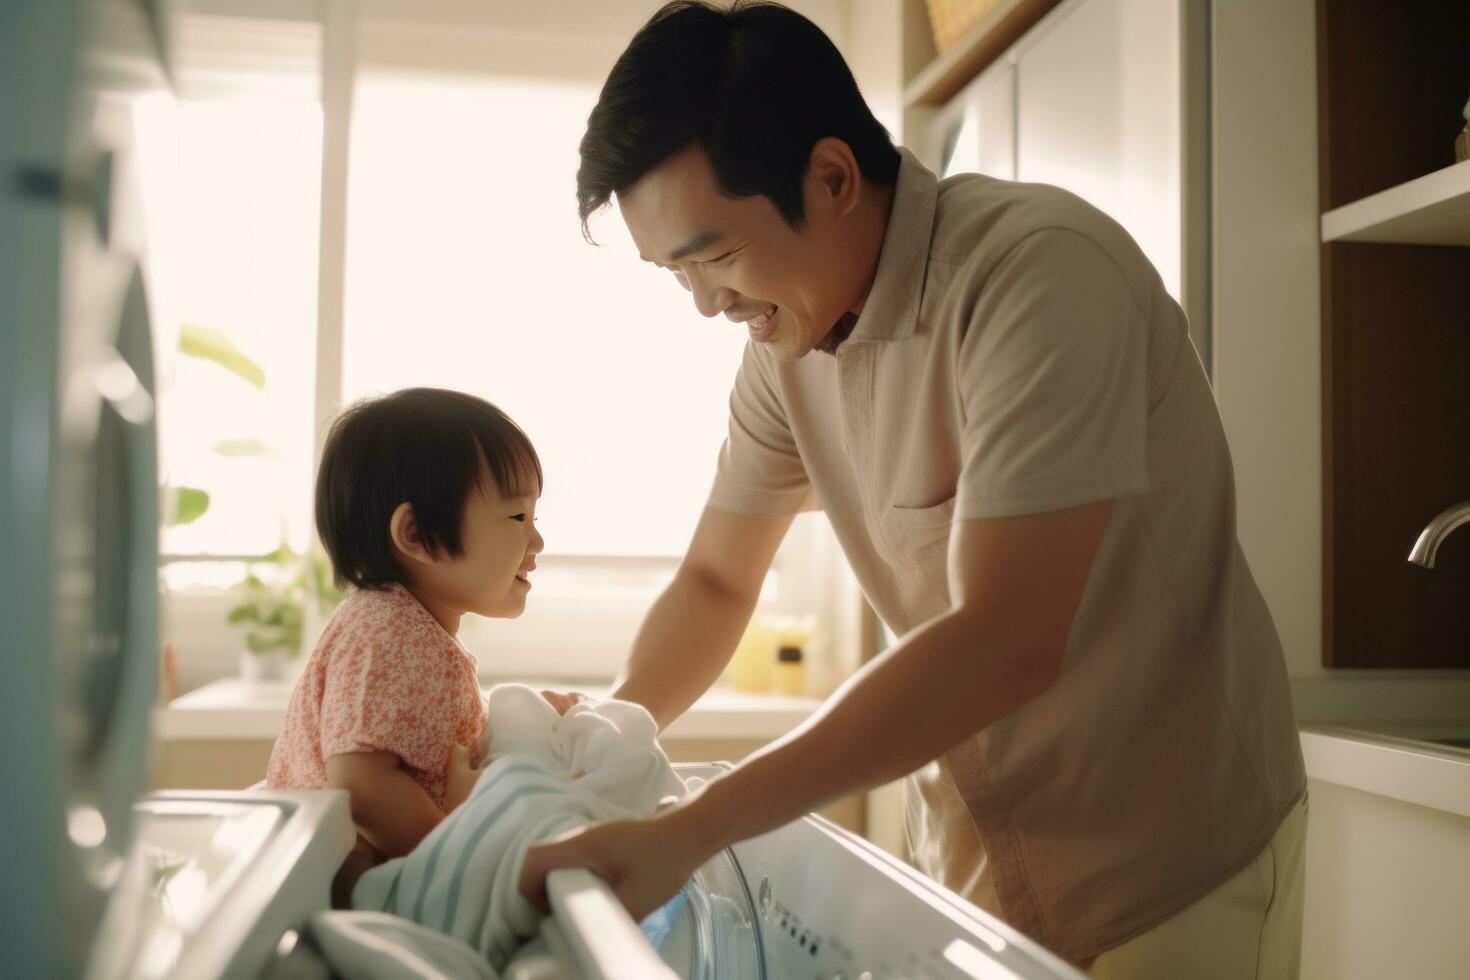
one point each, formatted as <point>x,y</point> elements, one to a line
<point>546,775</point>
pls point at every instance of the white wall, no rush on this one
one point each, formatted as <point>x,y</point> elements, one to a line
<point>871,45</point>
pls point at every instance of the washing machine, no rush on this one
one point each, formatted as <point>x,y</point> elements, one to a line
<point>808,901</point>
<point>224,885</point>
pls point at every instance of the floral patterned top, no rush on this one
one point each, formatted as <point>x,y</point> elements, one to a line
<point>384,677</point>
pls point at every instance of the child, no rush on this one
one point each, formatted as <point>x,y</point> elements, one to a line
<point>426,503</point>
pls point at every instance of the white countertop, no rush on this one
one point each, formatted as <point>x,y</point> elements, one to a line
<point>1391,760</point>
<point>232,710</point>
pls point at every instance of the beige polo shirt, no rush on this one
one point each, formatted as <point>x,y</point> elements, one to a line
<point>1019,354</point>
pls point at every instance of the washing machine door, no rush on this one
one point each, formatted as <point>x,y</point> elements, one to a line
<point>710,931</point>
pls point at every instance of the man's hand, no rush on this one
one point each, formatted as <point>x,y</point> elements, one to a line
<point>644,862</point>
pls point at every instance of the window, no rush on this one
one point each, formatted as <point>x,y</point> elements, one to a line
<point>232,190</point>
<point>467,269</point>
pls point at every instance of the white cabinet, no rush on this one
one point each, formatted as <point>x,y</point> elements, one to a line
<point>1388,855</point>
<point>1098,112</point>
<point>978,129</point>
<point>1091,99</point>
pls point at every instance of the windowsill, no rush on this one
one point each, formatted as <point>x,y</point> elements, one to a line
<point>231,710</point>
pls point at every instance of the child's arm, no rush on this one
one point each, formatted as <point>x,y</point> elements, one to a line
<point>392,811</point>
<point>460,778</point>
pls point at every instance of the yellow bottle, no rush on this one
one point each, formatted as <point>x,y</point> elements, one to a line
<point>789,672</point>
<point>750,666</point>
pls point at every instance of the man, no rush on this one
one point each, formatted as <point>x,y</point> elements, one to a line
<point>987,389</point>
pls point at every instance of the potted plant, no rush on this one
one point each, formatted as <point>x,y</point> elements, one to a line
<point>279,597</point>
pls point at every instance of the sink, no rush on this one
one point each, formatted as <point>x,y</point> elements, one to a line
<point>1443,737</point>
<point>1457,743</point>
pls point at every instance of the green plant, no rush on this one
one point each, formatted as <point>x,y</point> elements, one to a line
<point>272,610</point>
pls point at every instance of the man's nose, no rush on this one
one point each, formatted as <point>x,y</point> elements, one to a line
<point>709,299</point>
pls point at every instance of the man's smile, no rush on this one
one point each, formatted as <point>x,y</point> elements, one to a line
<point>761,325</point>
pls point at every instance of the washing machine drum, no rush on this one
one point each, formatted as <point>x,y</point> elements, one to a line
<point>710,931</point>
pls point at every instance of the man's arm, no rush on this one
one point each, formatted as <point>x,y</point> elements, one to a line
<point>1016,582</point>
<point>692,629</point>
<point>1015,585</point>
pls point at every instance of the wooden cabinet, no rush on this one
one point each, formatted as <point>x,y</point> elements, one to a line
<point>1392,79</point>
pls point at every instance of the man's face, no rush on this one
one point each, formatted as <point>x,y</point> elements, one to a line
<point>738,257</point>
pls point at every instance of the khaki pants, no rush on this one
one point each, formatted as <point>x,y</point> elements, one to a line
<point>1249,928</point>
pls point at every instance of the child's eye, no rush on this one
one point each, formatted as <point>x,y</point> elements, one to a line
<point>519,517</point>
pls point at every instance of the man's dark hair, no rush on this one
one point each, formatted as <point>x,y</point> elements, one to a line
<point>427,446</point>
<point>754,84</point>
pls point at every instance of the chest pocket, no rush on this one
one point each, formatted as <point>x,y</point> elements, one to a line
<point>919,540</point>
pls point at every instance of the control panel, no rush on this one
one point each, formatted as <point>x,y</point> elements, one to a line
<point>833,907</point>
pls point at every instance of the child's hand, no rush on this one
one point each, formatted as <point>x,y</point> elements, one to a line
<point>563,702</point>
<point>459,778</point>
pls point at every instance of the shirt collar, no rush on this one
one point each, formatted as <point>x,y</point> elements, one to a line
<point>892,309</point>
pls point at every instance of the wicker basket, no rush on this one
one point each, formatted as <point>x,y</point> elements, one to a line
<point>950,19</point>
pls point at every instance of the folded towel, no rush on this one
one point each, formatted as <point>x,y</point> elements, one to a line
<point>547,775</point>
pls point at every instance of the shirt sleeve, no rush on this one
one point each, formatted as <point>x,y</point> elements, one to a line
<point>390,695</point>
<point>1053,381</point>
<point>760,470</point>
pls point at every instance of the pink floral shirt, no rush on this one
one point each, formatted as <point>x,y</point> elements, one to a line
<point>384,677</point>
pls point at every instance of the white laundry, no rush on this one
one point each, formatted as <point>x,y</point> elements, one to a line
<point>547,774</point>
<point>376,946</point>
<point>609,747</point>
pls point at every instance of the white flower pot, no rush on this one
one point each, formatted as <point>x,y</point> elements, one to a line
<point>270,667</point>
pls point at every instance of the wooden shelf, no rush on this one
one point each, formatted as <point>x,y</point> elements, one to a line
<point>938,81</point>
<point>1432,210</point>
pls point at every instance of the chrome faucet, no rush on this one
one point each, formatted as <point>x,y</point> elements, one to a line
<point>1436,531</point>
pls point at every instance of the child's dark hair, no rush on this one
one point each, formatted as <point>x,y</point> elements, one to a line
<point>426,446</point>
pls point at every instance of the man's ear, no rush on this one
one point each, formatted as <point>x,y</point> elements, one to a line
<point>403,531</point>
<point>834,176</point>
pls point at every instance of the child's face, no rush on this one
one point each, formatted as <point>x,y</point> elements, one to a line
<point>499,543</point>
